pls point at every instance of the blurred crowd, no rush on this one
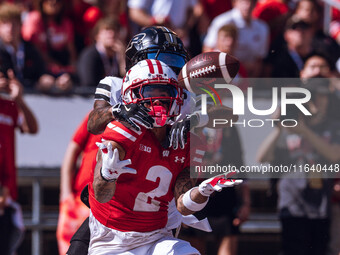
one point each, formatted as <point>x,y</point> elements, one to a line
<point>58,45</point>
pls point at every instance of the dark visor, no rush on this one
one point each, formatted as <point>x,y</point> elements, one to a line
<point>158,90</point>
<point>171,59</point>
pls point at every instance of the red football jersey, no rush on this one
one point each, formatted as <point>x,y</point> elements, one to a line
<point>140,202</point>
<point>8,123</point>
<point>87,143</point>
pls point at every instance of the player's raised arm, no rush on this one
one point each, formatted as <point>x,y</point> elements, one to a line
<point>110,165</point>
<point>134,115</point>
<point>183,184</point>
<point>99,117</point>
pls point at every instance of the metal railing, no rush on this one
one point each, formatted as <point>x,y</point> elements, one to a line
<point>37,221</point>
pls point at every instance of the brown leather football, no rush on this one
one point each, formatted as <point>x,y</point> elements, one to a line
<point>207,68</point>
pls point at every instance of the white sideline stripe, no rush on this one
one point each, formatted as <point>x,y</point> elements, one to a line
<point>200,152</point>
<point>124,133</point>
<point>199,160</point>
<point>186,80</point>
<point>224,70</point>
<point>103,92</point>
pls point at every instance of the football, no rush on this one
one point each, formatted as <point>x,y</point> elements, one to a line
<point>206,68</point>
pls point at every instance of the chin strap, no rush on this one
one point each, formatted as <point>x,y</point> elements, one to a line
<point>159,114</point>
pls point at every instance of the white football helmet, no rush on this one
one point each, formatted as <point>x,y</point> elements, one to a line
<point>154,84</point>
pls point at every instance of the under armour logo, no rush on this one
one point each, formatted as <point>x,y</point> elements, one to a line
<point>179,159</point>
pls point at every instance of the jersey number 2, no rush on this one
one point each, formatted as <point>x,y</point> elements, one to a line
<point>145,202</point>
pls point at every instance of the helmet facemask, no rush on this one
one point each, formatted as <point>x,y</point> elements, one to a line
<point>162,98</point>
<point>154,85</point>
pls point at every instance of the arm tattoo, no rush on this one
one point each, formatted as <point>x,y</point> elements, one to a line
<point>183,183</point>
<point>99,117</point>
<point>103,190</point>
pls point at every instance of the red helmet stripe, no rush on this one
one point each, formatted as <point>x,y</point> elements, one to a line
<point>152,70</point>
<point>159,66</point>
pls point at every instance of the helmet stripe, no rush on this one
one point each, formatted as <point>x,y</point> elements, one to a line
<point>152,70</point>
<point>159,66</point>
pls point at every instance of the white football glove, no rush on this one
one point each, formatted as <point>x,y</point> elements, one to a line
<point>112,167</point>
<point>207,187</point>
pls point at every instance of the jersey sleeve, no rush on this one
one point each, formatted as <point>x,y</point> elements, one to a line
<point>81,135</point>
<point>124,136</point>
<point>109,89</point>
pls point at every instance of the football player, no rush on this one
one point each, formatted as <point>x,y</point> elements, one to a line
<point>156,43</point>
<point>136,177</point>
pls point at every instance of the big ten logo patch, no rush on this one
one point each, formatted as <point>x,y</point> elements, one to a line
<point>144,148</point>
<point>166,153</point>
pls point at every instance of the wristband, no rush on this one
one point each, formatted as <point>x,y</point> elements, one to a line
<point>203,119</point>
<point>190,204</point>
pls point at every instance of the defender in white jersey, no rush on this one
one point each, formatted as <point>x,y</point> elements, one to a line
<point>152,43</point>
